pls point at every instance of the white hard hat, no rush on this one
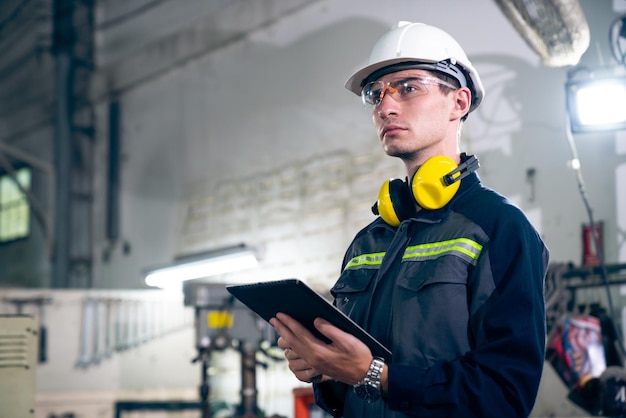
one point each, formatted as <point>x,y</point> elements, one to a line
<point>418,46</point>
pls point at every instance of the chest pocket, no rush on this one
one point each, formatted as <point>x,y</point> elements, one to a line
<point>416,277</point>
<point>434,288</point>
<point>434,295</point>
<point>351,292</point>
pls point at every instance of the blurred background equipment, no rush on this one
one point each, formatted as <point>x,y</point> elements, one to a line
<point>613,390</point>
<point>223,323</point>
<point>584,345</point>
<point>18,365</point>
<point>40,302</point>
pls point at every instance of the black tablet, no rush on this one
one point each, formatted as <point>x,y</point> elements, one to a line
<point>301,302</point>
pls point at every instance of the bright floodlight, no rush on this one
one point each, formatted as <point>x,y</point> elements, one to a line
<point>597,104</point>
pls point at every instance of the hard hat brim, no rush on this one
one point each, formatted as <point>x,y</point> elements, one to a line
<point>354,83</point>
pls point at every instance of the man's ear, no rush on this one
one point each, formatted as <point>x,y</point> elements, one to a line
<point>463,101</point>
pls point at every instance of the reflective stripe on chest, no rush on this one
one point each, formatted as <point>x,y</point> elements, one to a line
<point>464,248</point>
<point>461,247</point>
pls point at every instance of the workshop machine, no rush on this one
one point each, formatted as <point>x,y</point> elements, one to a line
<point>223,323</point>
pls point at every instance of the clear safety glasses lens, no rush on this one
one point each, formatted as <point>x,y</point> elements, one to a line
<point>374,92</point>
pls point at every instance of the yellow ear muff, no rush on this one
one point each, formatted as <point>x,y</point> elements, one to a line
<point>428,185</point>
<point>395,203</point>
<point>384,205</point>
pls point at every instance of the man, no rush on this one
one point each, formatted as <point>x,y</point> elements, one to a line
<point>450,277</point>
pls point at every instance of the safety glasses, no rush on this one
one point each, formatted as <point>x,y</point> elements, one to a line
<point>401,90</point>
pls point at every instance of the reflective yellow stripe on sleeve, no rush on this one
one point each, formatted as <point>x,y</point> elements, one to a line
<point>365,261</point>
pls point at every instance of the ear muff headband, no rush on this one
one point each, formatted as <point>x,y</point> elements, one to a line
<point>394,202</point>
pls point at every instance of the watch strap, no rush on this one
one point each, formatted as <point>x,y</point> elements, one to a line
<point>369,387</point>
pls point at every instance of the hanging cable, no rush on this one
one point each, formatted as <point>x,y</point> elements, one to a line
<point>13,14</point>
<point>130,15</point>
<point>617,39</point>
<point>576,166</point>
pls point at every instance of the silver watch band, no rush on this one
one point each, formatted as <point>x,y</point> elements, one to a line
<point>369,387</point>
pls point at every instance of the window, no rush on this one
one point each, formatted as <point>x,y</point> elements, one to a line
<point>14,206</point>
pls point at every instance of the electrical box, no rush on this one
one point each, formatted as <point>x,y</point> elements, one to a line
<point>18,365</point>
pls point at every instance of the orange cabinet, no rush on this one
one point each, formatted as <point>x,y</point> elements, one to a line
<point>304,404</point>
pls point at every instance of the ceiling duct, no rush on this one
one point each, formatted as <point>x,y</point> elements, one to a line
<point>555,29</point>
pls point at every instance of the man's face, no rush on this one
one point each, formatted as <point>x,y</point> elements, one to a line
<point>413,117</point>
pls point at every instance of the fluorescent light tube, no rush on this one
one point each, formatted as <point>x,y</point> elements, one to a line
<point>211,265</point>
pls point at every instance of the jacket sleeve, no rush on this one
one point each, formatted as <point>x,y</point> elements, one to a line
<point>500,375</point>
<point>330,397</point>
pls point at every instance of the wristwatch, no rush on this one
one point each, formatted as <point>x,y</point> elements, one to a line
<point>369,387</point>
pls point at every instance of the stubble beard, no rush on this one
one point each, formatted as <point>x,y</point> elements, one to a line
<point>397,152</point>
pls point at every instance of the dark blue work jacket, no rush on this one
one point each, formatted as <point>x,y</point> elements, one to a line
<point>457,295</point>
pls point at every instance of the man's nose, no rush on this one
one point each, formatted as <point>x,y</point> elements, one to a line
<point>384,92</point>
<point>387,108</point>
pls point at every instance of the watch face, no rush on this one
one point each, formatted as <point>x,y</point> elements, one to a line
<point>367,391</point>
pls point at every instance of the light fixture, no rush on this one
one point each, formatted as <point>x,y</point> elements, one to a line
<point>596,100</point>
<point>197,266</point>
